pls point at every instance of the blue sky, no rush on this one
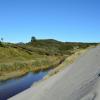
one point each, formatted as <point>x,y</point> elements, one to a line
<point>64,20</point>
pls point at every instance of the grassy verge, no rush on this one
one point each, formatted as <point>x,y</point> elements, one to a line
<point>69,60</point>
<point>40,55</point>
<point>15,74</point>
<point>16,69</point>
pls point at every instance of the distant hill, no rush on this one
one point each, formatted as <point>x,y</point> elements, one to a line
<point>32,50</point>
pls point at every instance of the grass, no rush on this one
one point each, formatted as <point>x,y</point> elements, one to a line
<point>69,60</point>
<point>14,74</point>
<point>21,58</point>
<point>10,70</point>
<point>29,65</point>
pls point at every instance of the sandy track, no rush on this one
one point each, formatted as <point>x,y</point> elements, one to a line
<point>73,83</point>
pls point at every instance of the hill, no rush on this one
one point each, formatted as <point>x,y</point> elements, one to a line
<point>35,56</point>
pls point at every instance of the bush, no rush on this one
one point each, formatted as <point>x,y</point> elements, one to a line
<point>1,44</point>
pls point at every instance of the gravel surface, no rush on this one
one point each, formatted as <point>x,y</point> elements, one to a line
<point>79,81</point>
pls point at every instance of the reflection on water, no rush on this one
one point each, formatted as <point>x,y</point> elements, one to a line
<point>12,87</point>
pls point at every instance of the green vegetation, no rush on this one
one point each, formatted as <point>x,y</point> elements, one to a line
<point>35,56</point>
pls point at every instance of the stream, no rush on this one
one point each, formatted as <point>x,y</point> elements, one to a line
<point>14,86</point>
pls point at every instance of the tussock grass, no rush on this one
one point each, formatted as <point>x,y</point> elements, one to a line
<point>34,66</point>
<point>69,60</point>
<point>38,55</point>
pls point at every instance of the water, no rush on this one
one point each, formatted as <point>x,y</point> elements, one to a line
<point>14,86</point>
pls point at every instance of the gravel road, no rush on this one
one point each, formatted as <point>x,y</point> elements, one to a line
<point>79,81</point>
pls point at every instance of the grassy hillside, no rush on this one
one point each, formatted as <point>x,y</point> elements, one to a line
<point>36,55</point>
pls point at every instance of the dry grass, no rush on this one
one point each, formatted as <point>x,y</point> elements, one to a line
<point>12,70</point>
<point>69,60</point>
<point>16,59</point>
<point>6,76</point>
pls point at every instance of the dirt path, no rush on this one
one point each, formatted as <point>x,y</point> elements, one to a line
<point>73,83</point>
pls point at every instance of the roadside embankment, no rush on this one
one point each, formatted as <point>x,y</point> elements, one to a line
<point>72,83</point>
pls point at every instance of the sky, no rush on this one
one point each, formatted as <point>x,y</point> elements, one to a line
<point>63,20</point>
